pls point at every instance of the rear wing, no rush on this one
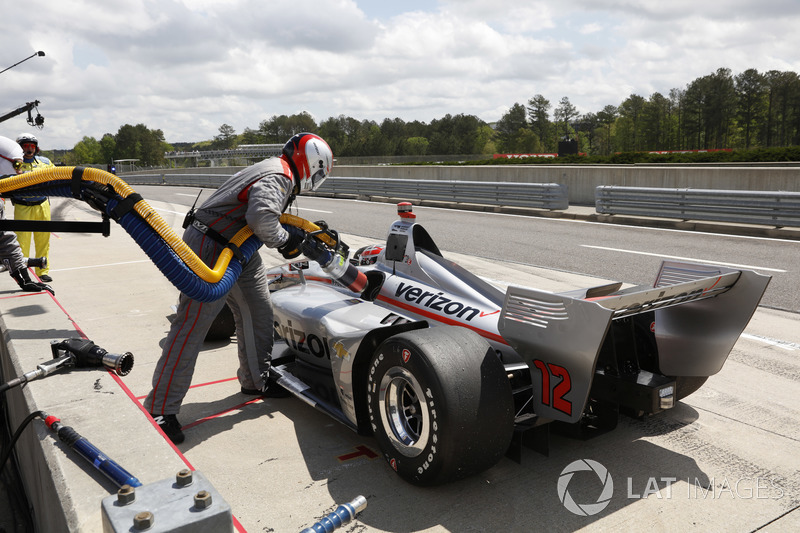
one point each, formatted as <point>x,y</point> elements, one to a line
<point>700,311</point>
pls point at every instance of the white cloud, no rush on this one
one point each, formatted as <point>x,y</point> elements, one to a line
<point>188,66</point>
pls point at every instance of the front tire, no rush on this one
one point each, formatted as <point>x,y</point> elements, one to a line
<point>440,404</point>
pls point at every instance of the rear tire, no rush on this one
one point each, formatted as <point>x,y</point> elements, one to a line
<point>440,404</point>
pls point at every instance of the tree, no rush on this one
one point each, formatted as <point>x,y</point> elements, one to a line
<point>415,146</point>
<point>655,122</point>
<point>783,95</point>
<point>539,117</point>
<point>565,112</point>
<point>607,117</point>
<point>250,136</point>
<point>587,124</point>
<point>720,108</point>
<point>108,148</point>
<point>88,151</point>
<point>139,142</point>
<point>630,112</point>
<point>226,138</point>
<point>749,86</point>
<point>509,126</point>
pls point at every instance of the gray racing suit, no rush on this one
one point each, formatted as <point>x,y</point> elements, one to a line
<point>255,196</point>
<point>10,253</point>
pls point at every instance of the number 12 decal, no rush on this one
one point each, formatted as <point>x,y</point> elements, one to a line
<point>559,389</point>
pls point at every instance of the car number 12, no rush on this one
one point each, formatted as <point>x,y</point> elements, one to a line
<point>553,391</point>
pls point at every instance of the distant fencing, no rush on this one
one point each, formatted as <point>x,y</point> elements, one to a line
<point>537,195</point>
<point>772,208</point>
<point>540,195</point>
<point>184,180</point>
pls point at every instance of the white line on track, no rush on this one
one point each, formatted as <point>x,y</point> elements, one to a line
<point>734,265</point>
<point>103,266</point>
<point>314,210</point>
<point>773,342</point>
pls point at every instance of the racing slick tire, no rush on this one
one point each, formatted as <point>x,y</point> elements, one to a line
<point>440,404</point>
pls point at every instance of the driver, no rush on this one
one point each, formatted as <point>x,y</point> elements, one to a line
<point>10,252</point>
<point>255,196</point>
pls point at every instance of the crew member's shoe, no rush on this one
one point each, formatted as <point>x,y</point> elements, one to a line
<point>170,426</point>
<point>45,278</point>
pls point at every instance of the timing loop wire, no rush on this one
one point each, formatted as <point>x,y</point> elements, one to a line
<point>151,217</point>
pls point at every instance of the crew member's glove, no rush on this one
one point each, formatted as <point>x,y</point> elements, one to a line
<point>315,250</point>
<point>24,281</point>
<point>291,248</point>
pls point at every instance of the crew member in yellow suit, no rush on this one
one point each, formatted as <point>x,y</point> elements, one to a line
<point>33,207</point>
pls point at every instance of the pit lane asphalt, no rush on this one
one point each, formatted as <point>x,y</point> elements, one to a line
<point>724,459</point>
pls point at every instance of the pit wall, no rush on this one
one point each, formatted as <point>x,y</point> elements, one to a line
<point>64,491</point>
<point>581,181</point>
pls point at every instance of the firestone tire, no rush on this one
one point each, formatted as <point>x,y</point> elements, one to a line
<point>440,404</point>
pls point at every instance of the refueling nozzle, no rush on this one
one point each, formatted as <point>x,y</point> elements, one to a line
<point>88,354</point>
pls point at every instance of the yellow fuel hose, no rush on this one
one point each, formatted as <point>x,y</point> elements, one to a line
<point>150,216</point>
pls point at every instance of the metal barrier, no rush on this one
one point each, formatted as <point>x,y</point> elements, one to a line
<point>539,195</point>
<point>772,208</point>
<point>183,180</point>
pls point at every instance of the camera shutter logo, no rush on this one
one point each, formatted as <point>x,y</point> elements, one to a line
<point>586,509</point>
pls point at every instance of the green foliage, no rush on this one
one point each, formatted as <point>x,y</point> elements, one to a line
<point>226,138</point>
<point>758,155</point>
<point>753,113</point>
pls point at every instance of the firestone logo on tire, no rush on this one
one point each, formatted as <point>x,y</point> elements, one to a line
<point>585,509</point>
<point>406,355</point>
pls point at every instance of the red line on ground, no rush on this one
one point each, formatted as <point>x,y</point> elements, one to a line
<point>115,377</point>
<point>199,385</point>
<point>211,417</point>
<point>363,451</point>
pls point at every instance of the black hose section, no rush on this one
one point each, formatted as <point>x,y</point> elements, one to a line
<point>19,509</point>
<point>67,435</point>
<point>15,437</point>
<point>156,248</point>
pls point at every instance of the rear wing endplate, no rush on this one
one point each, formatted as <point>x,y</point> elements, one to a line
<point>700,311</point>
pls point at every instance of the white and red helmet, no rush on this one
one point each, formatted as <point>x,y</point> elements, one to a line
<point>311,160</point>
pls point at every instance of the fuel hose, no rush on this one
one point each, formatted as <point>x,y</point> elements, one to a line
<point>114,198</point>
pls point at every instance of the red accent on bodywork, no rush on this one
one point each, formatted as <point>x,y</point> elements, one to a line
<point>444,320</point>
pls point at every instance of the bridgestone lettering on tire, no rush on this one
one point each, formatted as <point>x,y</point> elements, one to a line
<point>443,410</point>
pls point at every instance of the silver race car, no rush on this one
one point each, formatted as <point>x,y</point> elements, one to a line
<point>449,371</point>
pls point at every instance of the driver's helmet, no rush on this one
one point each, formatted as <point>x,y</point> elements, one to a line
<point>27,138</point>
<point>311,160</point>
<point>367,255</point>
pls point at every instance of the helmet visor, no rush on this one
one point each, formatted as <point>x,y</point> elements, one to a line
<point>317,178</point>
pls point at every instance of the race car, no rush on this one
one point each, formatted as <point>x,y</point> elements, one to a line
<point>450,371</point>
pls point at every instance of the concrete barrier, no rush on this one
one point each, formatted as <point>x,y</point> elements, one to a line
<point>580,180</point>
<point>64,491</point>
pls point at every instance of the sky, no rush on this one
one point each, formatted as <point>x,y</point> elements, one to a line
<point>187,67</point>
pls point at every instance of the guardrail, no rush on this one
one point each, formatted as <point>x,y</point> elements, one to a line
<point>771,208</point>
<point>184,180</point>
<point>538,195</point>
